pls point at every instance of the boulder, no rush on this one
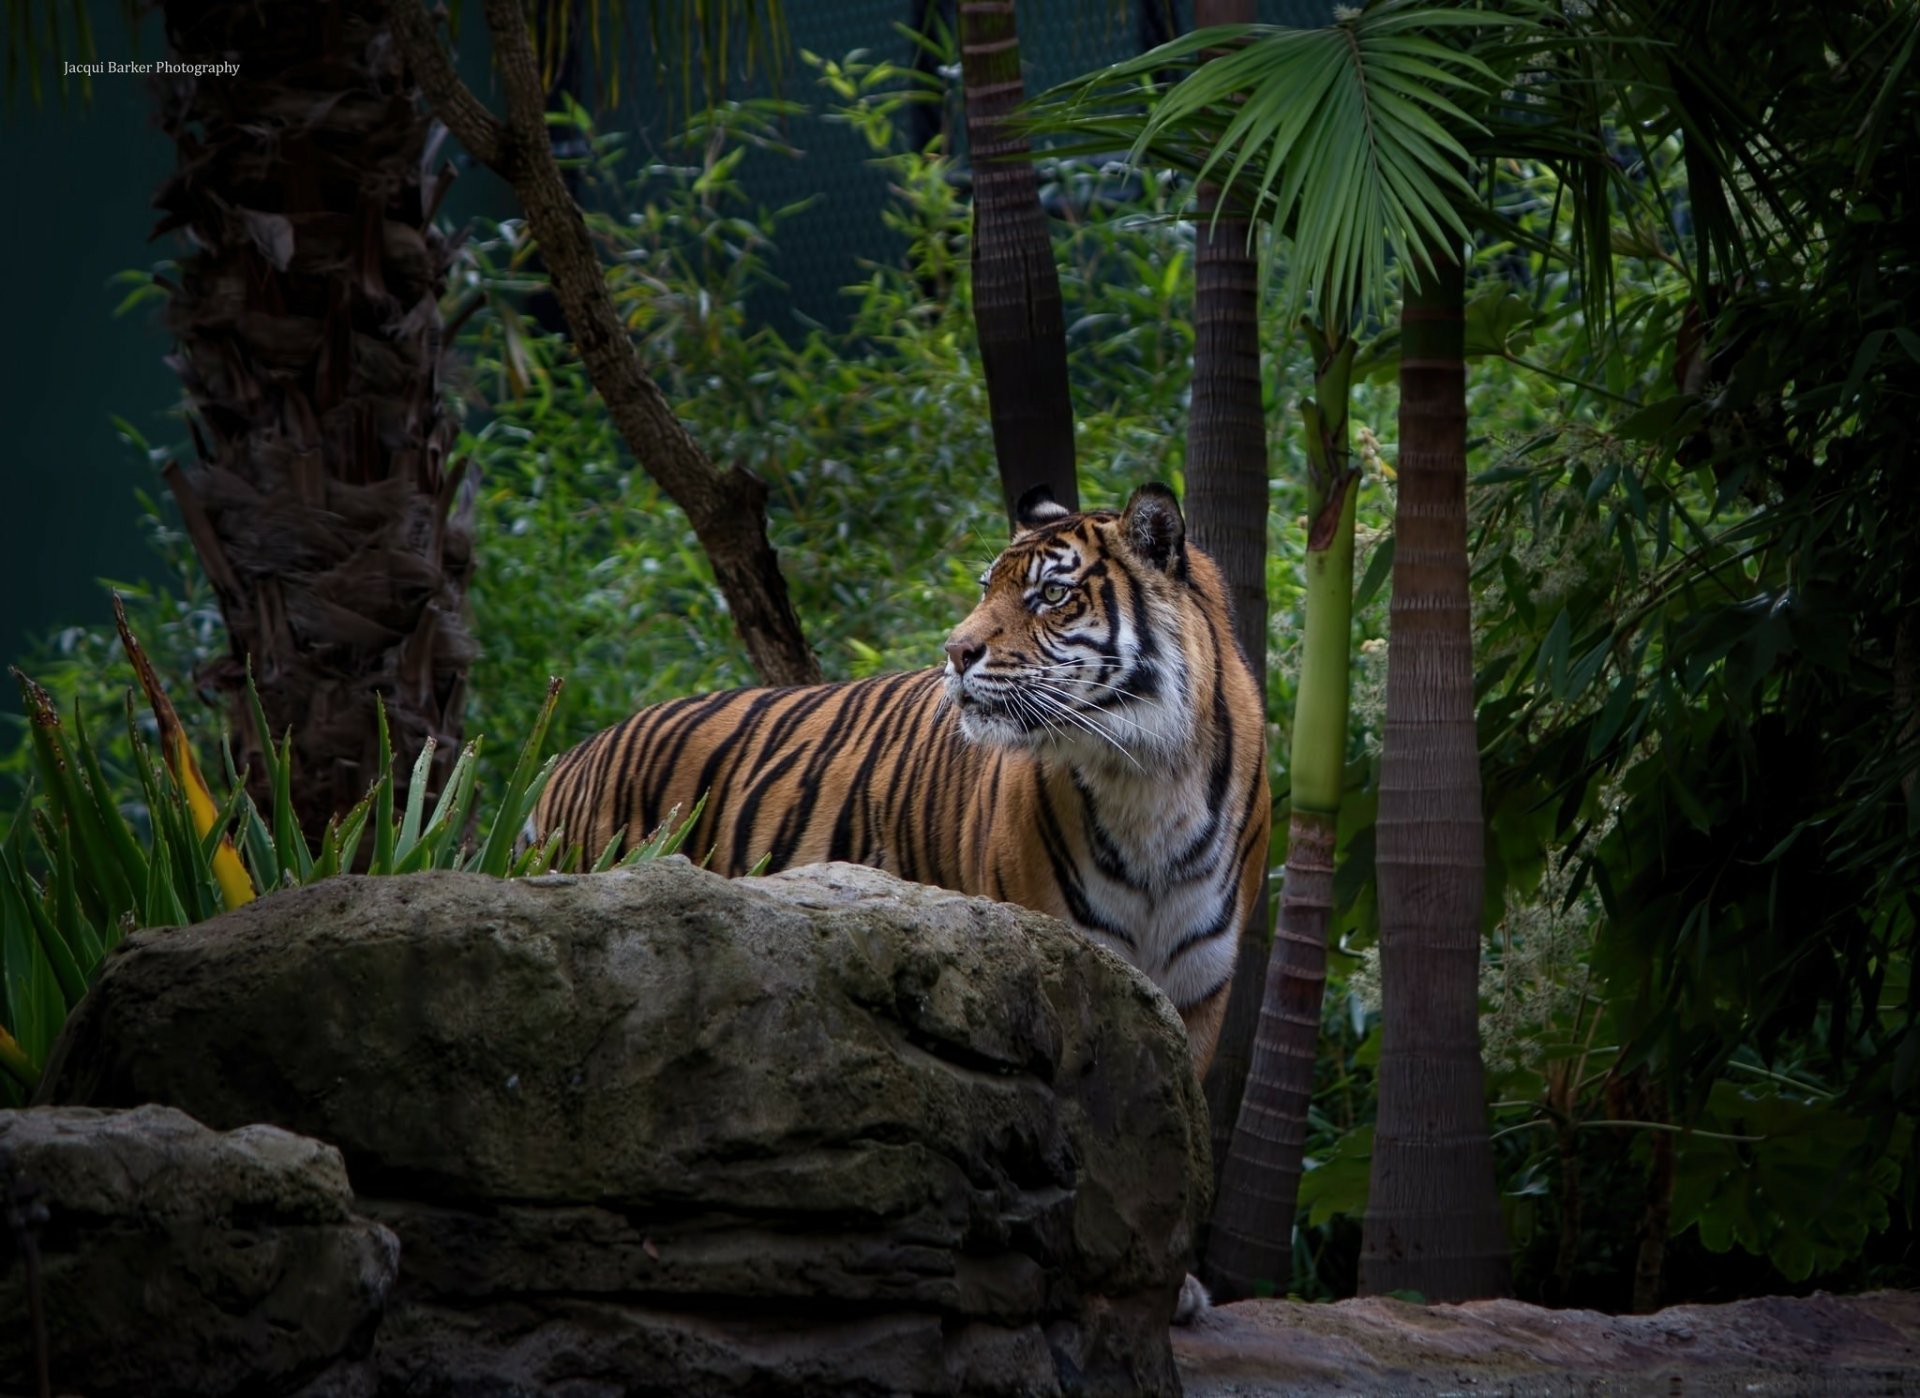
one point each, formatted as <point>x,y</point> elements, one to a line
<point>660,1132</point>
<point>1782,1345</point>
<point>171,1259</point>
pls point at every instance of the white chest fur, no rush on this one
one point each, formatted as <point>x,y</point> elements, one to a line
<point>1159,882</point>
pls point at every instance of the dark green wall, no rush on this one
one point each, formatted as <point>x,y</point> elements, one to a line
<point>78,185</point>
<point>78,182</point>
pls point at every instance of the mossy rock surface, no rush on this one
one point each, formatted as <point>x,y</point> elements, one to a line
<point>177,1262</point>
<point>825,1130</point>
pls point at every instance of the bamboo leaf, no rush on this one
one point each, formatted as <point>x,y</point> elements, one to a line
<point>1553,654</point>
<point>1379,569</point>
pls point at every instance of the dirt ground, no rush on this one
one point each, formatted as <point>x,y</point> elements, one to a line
<point>1846,1346</point>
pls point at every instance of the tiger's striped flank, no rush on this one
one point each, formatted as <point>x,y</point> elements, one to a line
<point>1093,748</point>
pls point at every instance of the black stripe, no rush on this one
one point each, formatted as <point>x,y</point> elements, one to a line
<point>738,860</point>
<point>1107,857</point>
<point>908,818</point>
<point>1053,840</point>
<point>1225,919</point>
<point>667,734</point>
<point>745,726</point>
<point>844,733</point>
<point>894,717</point>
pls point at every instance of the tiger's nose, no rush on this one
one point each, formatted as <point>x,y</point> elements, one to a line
<point>963,653</point>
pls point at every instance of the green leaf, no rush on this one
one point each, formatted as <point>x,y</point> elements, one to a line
<point>383,834</point>
<point>1351,138</point>
<point>610,855</point>
<point>523,791</point>
<point>73,981</point>
<point>668,839</point>
<point>1337,1183</point>
<point>1552,665</point>
<point>416,802</point>
<point>1863,360</point>
<point>1654,420</point>
<point>133,860</point>
<point>291,853</point>
<point>1379,569</point>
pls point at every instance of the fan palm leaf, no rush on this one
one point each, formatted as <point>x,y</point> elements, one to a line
<point>1354,139</point>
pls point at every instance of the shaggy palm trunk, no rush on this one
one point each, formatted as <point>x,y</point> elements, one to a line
<point>1227,515</point>
<point>1016,286</point>
<point>1433,1222</point>
<point>335,531</point>
<point>1252,1231</point>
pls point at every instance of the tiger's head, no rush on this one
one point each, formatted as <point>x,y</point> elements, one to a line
<point>1082,645</point>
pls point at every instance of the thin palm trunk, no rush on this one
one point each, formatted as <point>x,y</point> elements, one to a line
<point>1016,286</point>
<point>1227,515</point>
<point>1433,1222</point>
<point>1251,1235</point>
<point>324,508</point>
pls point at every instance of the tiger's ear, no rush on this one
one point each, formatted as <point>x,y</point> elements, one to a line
<point>1036,508</point>
<point>1154,530</point>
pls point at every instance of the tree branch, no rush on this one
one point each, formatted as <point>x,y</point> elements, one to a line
<point>727,510</point>
<point>452,100</point>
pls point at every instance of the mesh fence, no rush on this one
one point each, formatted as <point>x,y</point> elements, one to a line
<point>823,248</point>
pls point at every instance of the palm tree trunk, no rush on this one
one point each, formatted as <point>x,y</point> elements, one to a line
<point>1227,431</point>
<point>1252,1230</point>
<point>1227,514</point>
<point>324,508</point>
<point>1433,1222</point>
<point>1016,286</point>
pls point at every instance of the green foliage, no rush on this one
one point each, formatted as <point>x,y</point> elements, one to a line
<point>1693,544</point>
<point>76,875</point>
<point>1343,136</point>
<point>874,440</point>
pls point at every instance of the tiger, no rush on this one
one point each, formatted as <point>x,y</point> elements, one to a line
<point>1093,748</point>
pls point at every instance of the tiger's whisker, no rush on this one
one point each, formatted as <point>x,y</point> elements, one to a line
<point>1064,696</point>
<point>1063,711</point>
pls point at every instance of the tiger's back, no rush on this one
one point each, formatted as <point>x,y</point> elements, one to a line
<point>864,770</point>
<point>1093,749</point>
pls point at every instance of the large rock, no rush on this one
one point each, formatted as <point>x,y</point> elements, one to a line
<point>176,1260</point>
<point>1380,1348</point>
<point>659,1132</point>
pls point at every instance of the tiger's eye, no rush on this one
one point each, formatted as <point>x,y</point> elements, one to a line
<point>1053,594</point>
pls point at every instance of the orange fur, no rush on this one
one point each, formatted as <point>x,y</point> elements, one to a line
<point>1122,788</point>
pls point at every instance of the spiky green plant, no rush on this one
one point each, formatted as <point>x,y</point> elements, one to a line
<point>80,868</point>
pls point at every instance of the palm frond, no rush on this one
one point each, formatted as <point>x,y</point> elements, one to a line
<point>1352,139</point>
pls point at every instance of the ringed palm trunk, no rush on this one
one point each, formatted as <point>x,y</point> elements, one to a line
<point>1016,285</point>
<point>1250,1239</point>
<point>1226,476</point>
<point>1433,1222</point>
<point>336,532</point>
